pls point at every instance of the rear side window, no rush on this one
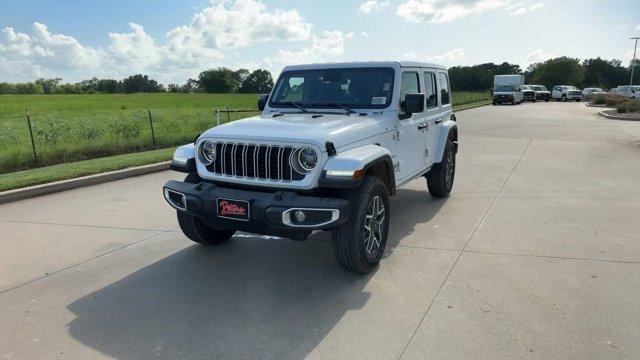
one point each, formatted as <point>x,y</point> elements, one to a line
<point>430,90</point>
<point>445,94</point>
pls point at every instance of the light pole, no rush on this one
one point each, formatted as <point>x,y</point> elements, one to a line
<point>633,61</point>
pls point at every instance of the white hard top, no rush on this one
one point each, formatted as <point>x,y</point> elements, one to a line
<point>359,64</point>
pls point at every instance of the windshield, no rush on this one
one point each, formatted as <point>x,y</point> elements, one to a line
<point>504,88</point>
<point>570,88</point>
<point>527,87</point>
<point>539,88</point>
<point>358,88</point>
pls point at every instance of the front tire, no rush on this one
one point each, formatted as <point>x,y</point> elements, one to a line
<point>195,229</point>
<point>359,243</point>
<point>440,177</point>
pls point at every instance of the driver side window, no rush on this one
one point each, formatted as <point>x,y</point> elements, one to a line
<point>410,85</point>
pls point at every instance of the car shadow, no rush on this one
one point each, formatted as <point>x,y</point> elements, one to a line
<point>253,297</point>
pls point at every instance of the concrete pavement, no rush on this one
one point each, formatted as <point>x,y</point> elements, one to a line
<point>534,256</point>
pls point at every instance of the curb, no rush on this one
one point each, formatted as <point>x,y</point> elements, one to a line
<point>615,117</point>
<point>57,186</point>
<point>472,106</point>
<point>597,105</point>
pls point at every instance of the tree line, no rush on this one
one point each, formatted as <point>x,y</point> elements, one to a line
<point>563,70</point>
<point>219,80</point>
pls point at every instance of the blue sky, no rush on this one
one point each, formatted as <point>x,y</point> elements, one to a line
<point>173,40</point>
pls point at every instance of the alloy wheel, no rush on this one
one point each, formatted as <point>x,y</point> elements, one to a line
<point>373,227</point>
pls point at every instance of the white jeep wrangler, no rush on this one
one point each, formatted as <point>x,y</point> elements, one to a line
<point>332,144</point>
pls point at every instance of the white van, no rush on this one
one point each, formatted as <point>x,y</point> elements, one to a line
<point>507,89</point>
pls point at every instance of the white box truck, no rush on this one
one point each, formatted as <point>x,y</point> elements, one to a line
<point>507,89</point>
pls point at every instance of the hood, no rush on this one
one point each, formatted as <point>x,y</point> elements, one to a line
<point>340,129</point>
<point>543,91</point>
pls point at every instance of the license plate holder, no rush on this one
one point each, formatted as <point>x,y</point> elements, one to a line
<point>233,209</point>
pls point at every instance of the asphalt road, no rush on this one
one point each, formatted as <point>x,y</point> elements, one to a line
<point>536,255</point>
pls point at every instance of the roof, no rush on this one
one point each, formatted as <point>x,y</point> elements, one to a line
<point>357,64</point>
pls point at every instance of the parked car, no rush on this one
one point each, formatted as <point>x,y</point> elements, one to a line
<point>629,91</point>
<point>507,89</point>
<point>528,93</point>
<point>592,91</point>
<point>542,93</point>
<point>566,93</point>
<point>332,143</point>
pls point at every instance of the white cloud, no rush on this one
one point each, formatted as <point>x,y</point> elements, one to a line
<point>522,8</point>
<point>239,23</point>
<point>441,11</point>
<point>537,56</point>
<point>371,6</point>
<point>328,46</point>
<point>213,33</point>
<point>41,50</point>
<point>638,27</point>
<point>447,58</point>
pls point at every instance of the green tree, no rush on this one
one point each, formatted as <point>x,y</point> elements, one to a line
<point>605,74</point>
<point>559,71</point>
<point>258,82</point>
<point>7,88</point>
<point>220,80</point>
<point>49,85</point>
<point>109,86</point>
<point>141,83</point>
<point>29,88</point>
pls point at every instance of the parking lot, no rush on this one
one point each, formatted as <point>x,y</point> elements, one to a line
<point>536,255</point>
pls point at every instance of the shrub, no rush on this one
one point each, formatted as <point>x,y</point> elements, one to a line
<point>51,131</point>
<point>598,99</point>
<point>631,106</point>
<point>126,130</point>
<point>89,131</point>
<point>614,100</point>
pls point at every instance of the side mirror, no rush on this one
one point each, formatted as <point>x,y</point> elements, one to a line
<point>413,103</point>
<point>262,101</point>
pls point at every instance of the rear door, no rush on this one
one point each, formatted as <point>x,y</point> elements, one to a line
<point>432,112</point>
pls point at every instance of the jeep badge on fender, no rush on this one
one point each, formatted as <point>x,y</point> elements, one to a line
<point>332,143</point>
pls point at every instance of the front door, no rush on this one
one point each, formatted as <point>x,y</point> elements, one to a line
<point>410,159</point>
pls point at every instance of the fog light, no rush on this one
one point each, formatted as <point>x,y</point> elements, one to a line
<point>300,216</point>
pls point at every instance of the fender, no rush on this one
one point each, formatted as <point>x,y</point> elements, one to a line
<point>448,127</point>
<point>345,170</point>
<point>184,159</point>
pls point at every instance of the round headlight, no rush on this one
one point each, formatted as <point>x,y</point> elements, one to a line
<point>307,159</point>
<point>208,152</point>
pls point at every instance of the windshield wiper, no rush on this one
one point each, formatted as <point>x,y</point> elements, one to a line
<point>341,106</point>
<point>296,105</point>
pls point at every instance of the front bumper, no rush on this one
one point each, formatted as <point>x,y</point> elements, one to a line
<point>502,99</point>
<point>270,213</point>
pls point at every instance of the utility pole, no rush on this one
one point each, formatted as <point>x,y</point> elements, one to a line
<point>633,61</point>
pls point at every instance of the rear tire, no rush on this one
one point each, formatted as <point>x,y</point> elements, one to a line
<point>440,177</point>
<point>359,243</point>
<point>195,229</point>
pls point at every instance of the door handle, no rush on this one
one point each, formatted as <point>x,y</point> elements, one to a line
<point>423,126</point>
<point>438,121</point>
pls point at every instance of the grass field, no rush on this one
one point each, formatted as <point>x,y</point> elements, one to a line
<point>69,128</point>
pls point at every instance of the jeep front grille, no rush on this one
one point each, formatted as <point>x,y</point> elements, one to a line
<point>254,161</point>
